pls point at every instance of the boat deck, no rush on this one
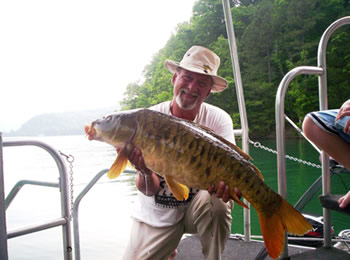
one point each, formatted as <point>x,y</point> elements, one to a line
<point>237,249</point>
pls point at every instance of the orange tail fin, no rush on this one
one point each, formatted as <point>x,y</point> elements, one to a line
<point>274,224</point>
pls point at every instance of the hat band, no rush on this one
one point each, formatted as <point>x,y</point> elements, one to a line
<point>203,68</point>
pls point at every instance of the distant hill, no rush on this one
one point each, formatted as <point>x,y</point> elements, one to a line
<point>66,123</point>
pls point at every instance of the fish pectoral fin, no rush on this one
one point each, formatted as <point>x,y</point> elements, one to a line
<point>238,201</point>
<point>119,164</point>
<point>179,190</point>
<point>129,164</point>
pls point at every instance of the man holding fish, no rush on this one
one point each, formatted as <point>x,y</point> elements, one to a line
<point>180,149</point>
<point>161,219</point>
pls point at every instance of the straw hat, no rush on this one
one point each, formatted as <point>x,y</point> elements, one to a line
<point>200,60</point>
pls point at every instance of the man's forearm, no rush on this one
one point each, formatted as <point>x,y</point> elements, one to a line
<point>148,184</point>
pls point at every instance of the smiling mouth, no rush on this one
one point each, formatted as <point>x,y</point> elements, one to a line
<point>186,94</point>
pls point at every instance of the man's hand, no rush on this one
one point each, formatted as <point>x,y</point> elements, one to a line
<point>223,191</point>
<point>146,181</point>
<point>344,111</point>
<point>136,159</point>
<point>344,201</point>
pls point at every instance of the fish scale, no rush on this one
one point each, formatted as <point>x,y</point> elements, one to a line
<point>201,158</point>
<point>189,155</point>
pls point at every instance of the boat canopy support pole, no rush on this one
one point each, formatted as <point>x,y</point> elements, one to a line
<point>240,98</point>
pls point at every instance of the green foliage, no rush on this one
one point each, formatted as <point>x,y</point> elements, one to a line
<point>273,37</point>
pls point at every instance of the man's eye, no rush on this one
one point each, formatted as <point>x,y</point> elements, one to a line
<point>203,84</point>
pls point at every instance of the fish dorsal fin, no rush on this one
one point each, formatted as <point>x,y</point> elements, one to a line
<point>257,171</point>
<point>236,148</point>
<point>233,146</point>
<point>119,164</point>
<point>179,190</point>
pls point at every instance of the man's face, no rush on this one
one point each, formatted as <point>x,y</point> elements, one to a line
<point>190,88</point>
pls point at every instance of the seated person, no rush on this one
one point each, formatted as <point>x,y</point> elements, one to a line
<point>330,131</point>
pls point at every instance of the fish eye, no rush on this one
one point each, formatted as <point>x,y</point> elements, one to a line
<point>108,119</point>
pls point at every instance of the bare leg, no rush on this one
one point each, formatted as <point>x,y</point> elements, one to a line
<point>334,145</point>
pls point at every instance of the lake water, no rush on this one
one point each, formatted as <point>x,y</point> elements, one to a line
<point>104,215</point>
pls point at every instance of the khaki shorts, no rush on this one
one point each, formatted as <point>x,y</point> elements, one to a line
<point>206,215</point>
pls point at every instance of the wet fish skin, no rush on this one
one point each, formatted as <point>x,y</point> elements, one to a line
<point>189,155</point>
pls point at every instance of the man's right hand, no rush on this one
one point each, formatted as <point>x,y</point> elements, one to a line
<point>146,181</point>
<point>136,159</point>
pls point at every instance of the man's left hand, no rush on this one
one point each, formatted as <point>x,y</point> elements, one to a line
<point>223,191</point>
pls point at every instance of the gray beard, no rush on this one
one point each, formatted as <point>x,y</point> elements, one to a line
<point>185,107</point>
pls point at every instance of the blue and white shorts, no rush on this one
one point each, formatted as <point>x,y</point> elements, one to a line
<point>326,121</point>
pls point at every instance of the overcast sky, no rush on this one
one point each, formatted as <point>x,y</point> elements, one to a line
<point>58,56</point>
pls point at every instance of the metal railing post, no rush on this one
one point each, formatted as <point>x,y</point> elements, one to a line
<point>64,221</point>
<point>76,212</point>
<point>323,102</point>
<point>3,229</point>
<point>280,129</point>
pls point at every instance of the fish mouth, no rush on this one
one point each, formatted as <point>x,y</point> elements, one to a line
<point>90,131</point>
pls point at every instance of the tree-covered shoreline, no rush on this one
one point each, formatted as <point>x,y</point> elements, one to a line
<point>272,38</point>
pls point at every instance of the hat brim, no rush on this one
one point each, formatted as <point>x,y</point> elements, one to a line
<point>219,83</point>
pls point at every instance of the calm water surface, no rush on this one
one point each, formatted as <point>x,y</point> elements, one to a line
<point>105,211</point>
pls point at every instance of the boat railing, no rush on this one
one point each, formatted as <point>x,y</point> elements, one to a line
<point>77,201</point>
<point>19,185</point>
<point>63,220</point>
<point>321,71</point>
<point>76,211</point>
